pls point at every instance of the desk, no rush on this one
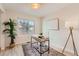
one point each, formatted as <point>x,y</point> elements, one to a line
<point>41,45</point>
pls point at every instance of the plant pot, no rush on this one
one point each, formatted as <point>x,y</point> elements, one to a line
<point>12,45</point>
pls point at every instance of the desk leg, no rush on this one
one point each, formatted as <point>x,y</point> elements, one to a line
<point>40,54</point>
<point>31,42</point>
<point>40,49</point>
<point>48,46</point>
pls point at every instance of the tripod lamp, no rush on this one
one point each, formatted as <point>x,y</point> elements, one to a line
<point>71,25</point>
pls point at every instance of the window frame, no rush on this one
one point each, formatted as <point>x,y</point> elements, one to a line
<point>33,32</point>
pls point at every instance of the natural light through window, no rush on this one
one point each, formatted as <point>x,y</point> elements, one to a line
<point>26,26</point>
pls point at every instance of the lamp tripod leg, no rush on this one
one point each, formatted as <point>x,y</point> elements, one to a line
<point>75,50</point>
<point>66,43</point>
<point>74,47</point>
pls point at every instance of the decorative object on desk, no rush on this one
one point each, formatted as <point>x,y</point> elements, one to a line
<point>41,35</point>
<point>10,30</point>
<point>71,25</point>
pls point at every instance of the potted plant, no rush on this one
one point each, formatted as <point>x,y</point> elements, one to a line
<point>10,30</point>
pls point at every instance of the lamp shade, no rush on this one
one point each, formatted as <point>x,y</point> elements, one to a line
<point>74,24</point>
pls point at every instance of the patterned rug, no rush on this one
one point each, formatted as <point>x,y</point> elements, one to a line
<point>28,51</point>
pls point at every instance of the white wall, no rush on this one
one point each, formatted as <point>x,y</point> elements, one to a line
<point>58,38</point>
<point>2,18</point>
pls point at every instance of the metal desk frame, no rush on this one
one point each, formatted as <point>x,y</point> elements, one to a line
<point>38,40</point>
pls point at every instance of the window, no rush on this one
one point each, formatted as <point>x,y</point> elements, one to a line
<point>26,26</point>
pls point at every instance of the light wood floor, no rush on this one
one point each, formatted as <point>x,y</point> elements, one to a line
<point>16,51</point>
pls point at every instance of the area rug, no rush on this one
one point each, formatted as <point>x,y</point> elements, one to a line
<point>28,51</point>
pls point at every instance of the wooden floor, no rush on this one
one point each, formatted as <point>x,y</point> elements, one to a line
<point>16,51</point>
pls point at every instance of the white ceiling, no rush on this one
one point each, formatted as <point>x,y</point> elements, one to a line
<point>45,9</point>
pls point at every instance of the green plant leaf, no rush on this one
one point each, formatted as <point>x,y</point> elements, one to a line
<point>11,29</point>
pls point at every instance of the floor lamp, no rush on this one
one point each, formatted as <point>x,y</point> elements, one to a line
<point>71,26</point>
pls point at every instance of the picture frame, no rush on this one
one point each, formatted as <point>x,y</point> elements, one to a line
<point>53,24</point>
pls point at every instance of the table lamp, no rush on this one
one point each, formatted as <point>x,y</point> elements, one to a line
<point>71,25</point>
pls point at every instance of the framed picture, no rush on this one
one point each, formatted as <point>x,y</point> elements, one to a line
<point>53,24</point>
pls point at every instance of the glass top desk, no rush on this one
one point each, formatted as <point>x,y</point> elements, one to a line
<point>41,45</point>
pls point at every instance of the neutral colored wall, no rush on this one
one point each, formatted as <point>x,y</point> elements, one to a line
<point>2,18</point>
<point>58,38</point>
